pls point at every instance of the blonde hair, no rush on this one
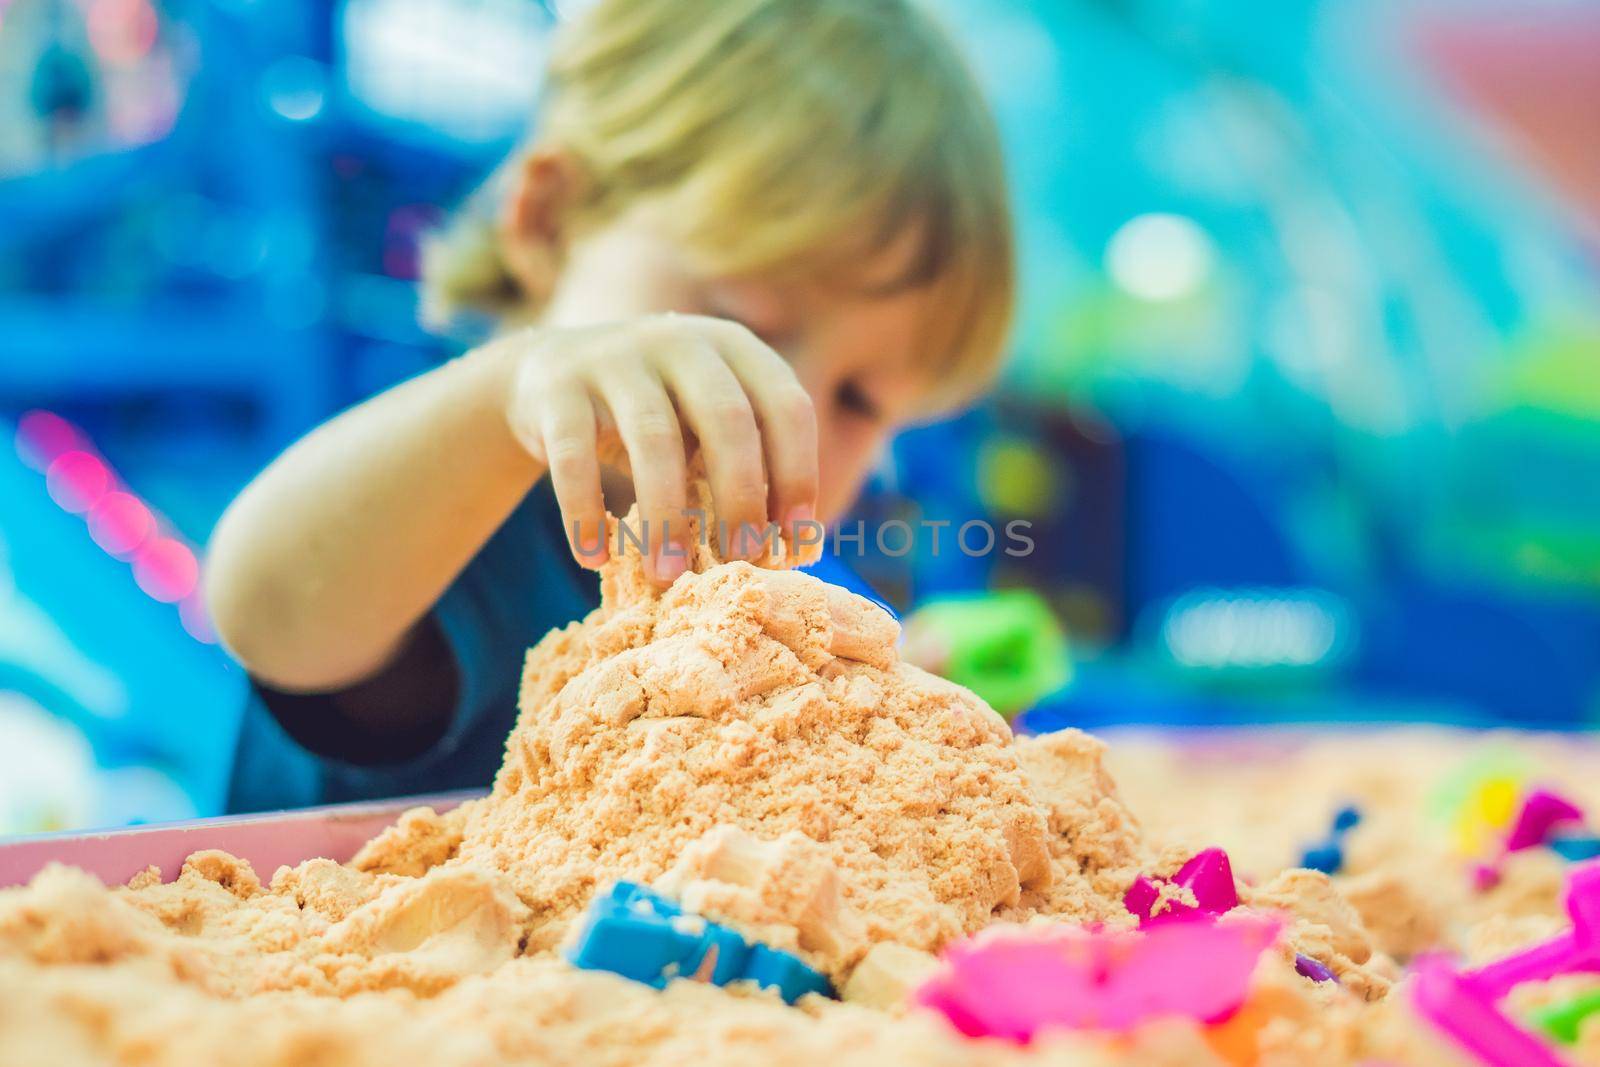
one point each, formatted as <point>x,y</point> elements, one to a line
<point>773,133</point>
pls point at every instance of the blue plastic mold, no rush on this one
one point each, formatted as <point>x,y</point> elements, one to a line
<point>640,934</point>
<point>1327,855</point>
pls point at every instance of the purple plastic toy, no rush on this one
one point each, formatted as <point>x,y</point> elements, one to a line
<point>1208,875</point>
<point>1465,1004</point>
<point>1306,967</point>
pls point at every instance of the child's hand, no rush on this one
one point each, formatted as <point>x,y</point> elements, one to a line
<point>578,394</point>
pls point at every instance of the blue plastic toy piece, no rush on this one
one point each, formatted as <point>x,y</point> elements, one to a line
<point>1575,849</point>
<point>640,934</point>
<point>1346,819</point>
<point>773,968</point>
<point>1327,856</point>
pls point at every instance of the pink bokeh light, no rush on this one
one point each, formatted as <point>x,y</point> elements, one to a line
<point>192,612</point>
<point>122,31</point>
<point>166,570</point>
<point>120,523</point>
<point>77,480</point>
<point>42,436</point>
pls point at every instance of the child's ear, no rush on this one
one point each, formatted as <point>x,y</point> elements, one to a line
<point>536,223</point>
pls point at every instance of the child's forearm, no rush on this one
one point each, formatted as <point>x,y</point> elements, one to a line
<point>324,563</point>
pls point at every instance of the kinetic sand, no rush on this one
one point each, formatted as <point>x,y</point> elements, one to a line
<point>750,744</point>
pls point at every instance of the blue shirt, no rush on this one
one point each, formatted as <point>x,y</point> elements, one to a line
<point>457,679</point>
<point>457,676</point>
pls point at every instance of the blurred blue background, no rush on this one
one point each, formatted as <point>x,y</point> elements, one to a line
<point>1304,405</point>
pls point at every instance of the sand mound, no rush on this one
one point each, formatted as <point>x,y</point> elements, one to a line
<point>752,736</point>
<point>749,743</point>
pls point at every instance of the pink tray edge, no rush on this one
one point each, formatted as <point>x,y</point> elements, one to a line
<point>267,841</point>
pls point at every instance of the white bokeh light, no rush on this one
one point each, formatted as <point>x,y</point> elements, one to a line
<point>1160,256</point>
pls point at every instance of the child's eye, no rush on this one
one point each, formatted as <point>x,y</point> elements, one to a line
<point>852,398</point>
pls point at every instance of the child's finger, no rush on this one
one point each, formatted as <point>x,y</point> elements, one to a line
<point>571,447</point>
<point>717,409</point>
<point>787,420</point>
<point>648,425</point>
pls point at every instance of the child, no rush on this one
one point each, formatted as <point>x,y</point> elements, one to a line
<point>775,230</point>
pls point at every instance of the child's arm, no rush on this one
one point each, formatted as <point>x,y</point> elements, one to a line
<point>322,566</point>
